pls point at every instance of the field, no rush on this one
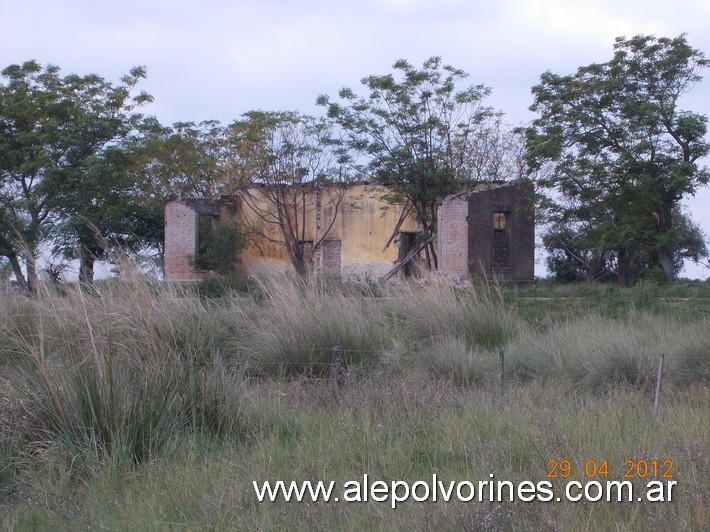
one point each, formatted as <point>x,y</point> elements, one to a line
<point>135,405</point>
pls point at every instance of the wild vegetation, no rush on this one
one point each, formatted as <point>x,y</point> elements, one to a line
<point>615,153</point>
<point>147,406</point>
<point>611,154</point>
<point>131,404</point>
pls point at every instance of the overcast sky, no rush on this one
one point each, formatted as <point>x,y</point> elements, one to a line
<point>216,59</point>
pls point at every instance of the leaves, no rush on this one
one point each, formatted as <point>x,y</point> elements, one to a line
<point>59,140</point>
<point>417,131</point>
<point>622,153</point>
<point>279,162</point>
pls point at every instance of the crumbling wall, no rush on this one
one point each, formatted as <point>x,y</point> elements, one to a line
<point>469,241</point>
<point>452,240</point>
<point>506,254</point>
<point>180,239</point>
<point>360,225</point>
<point>471,244</point>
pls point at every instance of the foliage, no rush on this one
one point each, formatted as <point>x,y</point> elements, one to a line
<point>390,429</point>
<point>421,134</point>
<point>182,160</point>
<point>228,285</point>
<point>623,154</point>
<point>285,165</point>
<point>572,255</point>
<point>185,160</point>
<point>130,397</point>
<point>115,375</point>
<point>58,136</point>
<point>105,217</point>
<point>219,247</point>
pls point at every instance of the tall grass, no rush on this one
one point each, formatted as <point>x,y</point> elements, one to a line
<point>116,372</point>
<point>597,353</point>
<point>406,429</point>
<point>121,373</point>
<point>300,322</point>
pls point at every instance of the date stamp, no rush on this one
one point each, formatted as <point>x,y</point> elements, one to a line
<point>650,480</point>
<point>630,469</point>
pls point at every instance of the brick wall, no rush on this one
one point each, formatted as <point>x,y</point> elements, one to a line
<point>180,236</point>
<point>453,236</point>
<point>466,241</point>
<point>331,257</point>
<point>485,250</point>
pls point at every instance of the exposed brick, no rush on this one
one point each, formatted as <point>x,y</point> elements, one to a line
<point>453,236</point>
<point>467,243</point>
<point>331,257</point>
<point>180,237</point>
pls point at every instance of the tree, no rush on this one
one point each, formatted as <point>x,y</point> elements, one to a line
<point>219,248</point>
<point>171,162</point>
<point>418,132</point>
<point>54,132</point>
<point>284,165</point>
<point>573,253</point>
<point>571,258</point>
<point>623,153</point>
<point>103,215</point>
<point>9,247</point>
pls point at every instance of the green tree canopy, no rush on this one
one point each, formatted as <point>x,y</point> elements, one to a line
<point>55,133</point>
<point>621,152</point>
<point>185,160</point>
<point>418,130</point>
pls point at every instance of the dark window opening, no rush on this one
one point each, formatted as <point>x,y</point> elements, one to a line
<point>501,239</point>
<point>206,226</point>
<point>407,243</point>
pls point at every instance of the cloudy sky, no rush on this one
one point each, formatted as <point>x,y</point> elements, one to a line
<point>216,59</point>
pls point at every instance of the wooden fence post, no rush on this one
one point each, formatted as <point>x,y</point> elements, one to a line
<point>501,369</point>
<point>658,384</point>
<point>338,368</point>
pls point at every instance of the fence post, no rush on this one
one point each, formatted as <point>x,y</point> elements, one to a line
<point>501,368</point>
<point>338,368</point>
<point>658,384</point>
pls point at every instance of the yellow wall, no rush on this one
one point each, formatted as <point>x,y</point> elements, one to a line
<point>363,224</point>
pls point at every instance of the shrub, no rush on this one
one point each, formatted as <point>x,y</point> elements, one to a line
<point>299,322</point>
<point>117,373</point>
<point>599,353</point>
<point>450,357</point>
<point>219,247</point>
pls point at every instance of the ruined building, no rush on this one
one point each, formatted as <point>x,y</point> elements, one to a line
<point>487,232</point>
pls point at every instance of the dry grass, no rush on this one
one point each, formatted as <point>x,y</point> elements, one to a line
<point>128,405</point>
<point>406,429</point>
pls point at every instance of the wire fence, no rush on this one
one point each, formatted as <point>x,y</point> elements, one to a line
<point>337,370</point>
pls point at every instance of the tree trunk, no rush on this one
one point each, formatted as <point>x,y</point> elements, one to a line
<point>664,256</point>
<point>86,268</point>
<point>623,268</point>
<point>594,267</point>
<point>432,262</point>
<point>17,270</point>
<point>300,267</point>
<point>32,279</point>
<point>434,259</point>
